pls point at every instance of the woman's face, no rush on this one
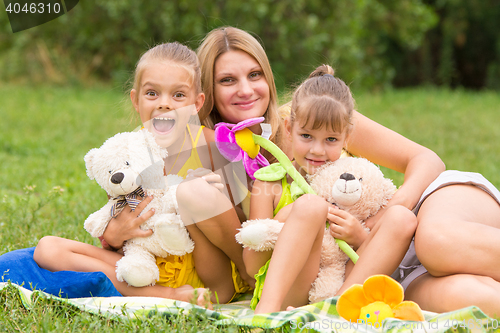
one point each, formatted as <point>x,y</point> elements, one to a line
<point>241,90</point>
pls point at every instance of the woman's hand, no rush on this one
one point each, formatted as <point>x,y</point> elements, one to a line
<point>208,175</point>
<point>126,226</point>
<point>346,227</point>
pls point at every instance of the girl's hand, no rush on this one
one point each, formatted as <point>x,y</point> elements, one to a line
<point>346,227</point>
<point>210,177</point>
<point>126,225</point>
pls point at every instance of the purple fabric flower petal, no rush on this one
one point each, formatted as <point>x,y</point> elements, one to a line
<point>261,160</point>
<point>228,125</point>
<point>247,123</point>
<point>250,165</point>
<point>231,151</point>
<point>223,134</point>
<point>226,143</point>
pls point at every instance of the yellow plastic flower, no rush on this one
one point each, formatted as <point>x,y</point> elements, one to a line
<point>244,139</point>
<point>378,298</point>
<point>236,143</point>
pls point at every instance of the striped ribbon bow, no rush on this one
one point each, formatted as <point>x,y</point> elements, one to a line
<point>132,199</point>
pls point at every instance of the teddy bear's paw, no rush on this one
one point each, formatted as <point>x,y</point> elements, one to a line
<point>173,180</point>
<point>97,222</point>
<point>173,236</point>
<point>259,235</point>
<point>137,268</point>
<point>166,203</point>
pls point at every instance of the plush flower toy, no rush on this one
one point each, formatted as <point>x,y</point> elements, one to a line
<point>379,297</point>
<point>235,143</point>
<point>238,142</point>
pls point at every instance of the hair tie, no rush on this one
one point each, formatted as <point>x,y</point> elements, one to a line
<point>328,75</point>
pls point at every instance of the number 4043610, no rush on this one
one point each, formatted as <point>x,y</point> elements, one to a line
<point>33,8</point>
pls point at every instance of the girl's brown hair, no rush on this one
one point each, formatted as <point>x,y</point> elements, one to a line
<point>323,100</point>
<point>174,52</point>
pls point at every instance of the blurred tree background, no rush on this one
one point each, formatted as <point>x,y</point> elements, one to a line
<point>372,44</point>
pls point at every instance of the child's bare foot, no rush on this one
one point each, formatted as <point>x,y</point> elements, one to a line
<point>198,296</point>
<point>263,307</point>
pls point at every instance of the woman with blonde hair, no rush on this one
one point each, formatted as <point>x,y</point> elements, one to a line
<point>224,40</point>
<point>238,84</point>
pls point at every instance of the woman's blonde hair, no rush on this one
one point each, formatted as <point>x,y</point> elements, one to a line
<point>323,100</point>
<point>174,52</point>
<point>219,41</point>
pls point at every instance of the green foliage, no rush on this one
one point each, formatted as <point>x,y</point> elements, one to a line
<point>462,50</point>
<point>44,135</point>
<point>104,39</point>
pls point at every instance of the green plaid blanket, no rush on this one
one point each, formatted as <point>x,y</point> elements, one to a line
<point>318,317</point>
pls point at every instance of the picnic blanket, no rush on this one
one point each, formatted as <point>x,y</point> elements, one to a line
<point>319,317</point>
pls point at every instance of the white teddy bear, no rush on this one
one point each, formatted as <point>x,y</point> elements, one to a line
<point>129,166</point>
<point>353,184</point>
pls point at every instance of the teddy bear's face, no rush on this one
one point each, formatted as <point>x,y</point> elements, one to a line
<point>353,184</point>
<point>126,161</point>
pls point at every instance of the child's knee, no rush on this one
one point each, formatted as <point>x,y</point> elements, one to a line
<point>44,248</point>
<point>402,219</point>
<point>310,204</point>
<point>311,209</point>
<point>196,194</point>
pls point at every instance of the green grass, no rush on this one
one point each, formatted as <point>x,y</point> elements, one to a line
<point>46,131</point>
<point>44,134</point>
<point>49,315</point>
<point>460,126</point>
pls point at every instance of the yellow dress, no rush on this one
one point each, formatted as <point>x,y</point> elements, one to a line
<point>176,271</point>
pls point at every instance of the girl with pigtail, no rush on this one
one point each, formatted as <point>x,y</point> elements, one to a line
<point>318,129</point>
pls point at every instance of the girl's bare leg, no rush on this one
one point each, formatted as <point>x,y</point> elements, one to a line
<point>295,259</point>
<point>255,260</point>
<point>212,223</point>
<point>57,254</point>
<point>384,248</point>
<point>458,232</point>
<point>449,293</point>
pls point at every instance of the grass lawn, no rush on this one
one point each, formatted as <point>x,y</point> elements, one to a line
<point>46,131</point>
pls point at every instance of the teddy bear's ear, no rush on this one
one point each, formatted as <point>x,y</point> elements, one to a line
<point>88,162</point>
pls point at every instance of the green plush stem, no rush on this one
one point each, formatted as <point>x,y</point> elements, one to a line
<point>347,250</point>
<point>284,161</point>
<point>297,177</point>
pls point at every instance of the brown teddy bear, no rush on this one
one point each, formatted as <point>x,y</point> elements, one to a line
<point>353,184</point>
